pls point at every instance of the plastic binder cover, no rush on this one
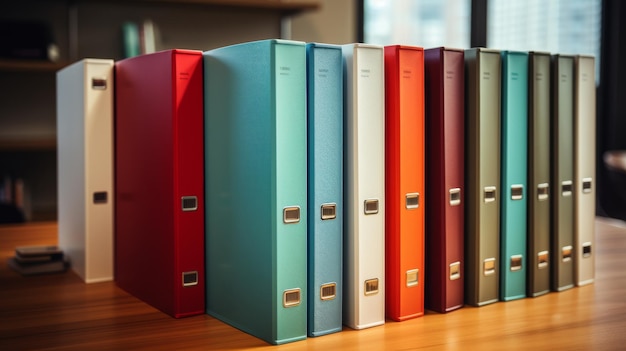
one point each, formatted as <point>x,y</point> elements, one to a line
<point>562,176</point>
<point>256,188</point>
<point>445,166</point>
<point>85,167</point>
<point>584,167</point>
<point>325,188</point>
<point>513,259</point>
<point>404,182</point>
<point>482,239</point>
<point>364,186</point>
<point>538,282</point>
<point>159,237</point>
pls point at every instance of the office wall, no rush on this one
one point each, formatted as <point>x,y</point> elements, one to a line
<point>334,23</point>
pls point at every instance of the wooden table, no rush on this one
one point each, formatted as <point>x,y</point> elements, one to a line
<point>59,311</point>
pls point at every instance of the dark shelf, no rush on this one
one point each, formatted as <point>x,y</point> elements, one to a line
<point>11,65</point>
<point>285,7</point>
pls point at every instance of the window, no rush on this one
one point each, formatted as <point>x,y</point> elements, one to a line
<point>556,26</point>
<point>425,23</point>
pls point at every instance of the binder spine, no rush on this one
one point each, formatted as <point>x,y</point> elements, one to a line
<point>445,178</point>
<point>585,172</point>
<point>404,186</point>
<point>85,154</point>
<point>482,176</point>
<point>188,201</point>
<point>539,174</point>
<point>364,193</point>
<point>513,260</point>
<point>290,189</point>
<point>325,188</point>
<point>562,173</point>
<point>255,127</point>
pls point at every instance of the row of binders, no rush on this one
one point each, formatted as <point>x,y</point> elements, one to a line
<point>289,188</point>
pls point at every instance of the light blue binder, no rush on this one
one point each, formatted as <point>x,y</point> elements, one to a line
<point>513,260</point>
<point>325,187</point>
<point>256,188</point>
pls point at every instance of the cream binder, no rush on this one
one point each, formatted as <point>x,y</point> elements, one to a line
<point>584,167</point>
<point>364,186</point>
<point>85,167</point>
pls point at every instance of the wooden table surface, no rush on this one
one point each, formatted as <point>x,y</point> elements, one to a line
<point>59,311</point>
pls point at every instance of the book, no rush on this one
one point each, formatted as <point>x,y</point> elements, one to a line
<point>43,267</point>
<point>584,168</point>
<point>85,92</point>
<point>482,177</point>
<point>131,39</point>
<point>404,182</point>
<point>34,254</point>
<point>256,188</point>
<point>364,186</point>
<point>325,188</point>
<point>159,232</point>
<point>562,173</point>
<point>445,167</point>
<point>538,281</point>
<point>513,185</point>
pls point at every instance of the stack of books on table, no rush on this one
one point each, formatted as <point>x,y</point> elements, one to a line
<point>29,260</point>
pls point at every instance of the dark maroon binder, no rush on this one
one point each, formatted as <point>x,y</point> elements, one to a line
<point>444,70</point>
<point>159,150</point>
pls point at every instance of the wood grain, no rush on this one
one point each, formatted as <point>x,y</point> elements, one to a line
<point>59,311</point>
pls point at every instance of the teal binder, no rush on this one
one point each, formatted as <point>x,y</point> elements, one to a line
<point>256,188</point>
<point>325,187</point>
<point>538,282</point>
<point>514,136</point>
<point>562,173</point>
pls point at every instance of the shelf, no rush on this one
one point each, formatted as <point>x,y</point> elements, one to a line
<point>290,7</point>
<point>38,144</point>
<point>30,65</point>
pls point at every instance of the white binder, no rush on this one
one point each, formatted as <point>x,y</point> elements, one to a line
<point>584,168</point>
<point>364,186</point>
<point>85,167</point>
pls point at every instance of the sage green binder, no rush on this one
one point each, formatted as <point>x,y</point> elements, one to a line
<point>538,174</point>
<point>562,212</point>
<point>482,230</point>
<point>514,189</point>
<point>584,168</point>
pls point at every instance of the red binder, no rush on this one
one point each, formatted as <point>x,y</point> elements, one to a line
<point>159,214</point>
<point>405,180</point>
<point>445,167</point>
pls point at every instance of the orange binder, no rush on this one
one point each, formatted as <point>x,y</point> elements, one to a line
<point>404,187</point>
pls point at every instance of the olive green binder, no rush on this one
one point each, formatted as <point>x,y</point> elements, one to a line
<point>482,227</point>
<point>562,173</point>
<point>538,174</point>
